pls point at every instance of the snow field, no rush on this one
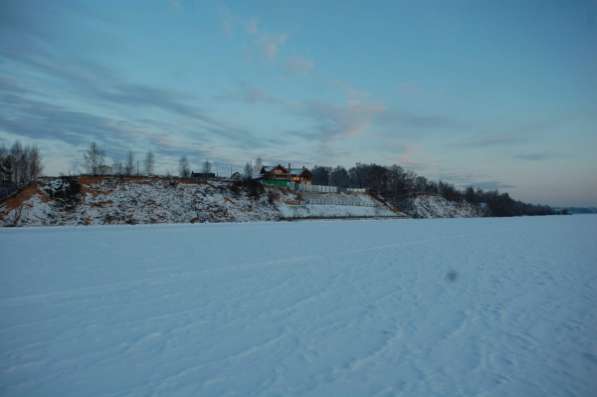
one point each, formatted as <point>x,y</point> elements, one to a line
<point>465,307</point>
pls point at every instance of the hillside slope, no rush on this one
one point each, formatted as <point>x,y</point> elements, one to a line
<point>432,206</point>
<point>133,200</point>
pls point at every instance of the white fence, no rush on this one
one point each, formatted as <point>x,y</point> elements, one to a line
<point>324,189</point>
<point>300,187</point>
<point>356,200</point>
<point>341,200</point>
<point>356,190</point>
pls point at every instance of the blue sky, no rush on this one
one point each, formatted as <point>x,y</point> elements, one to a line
<point>491,94</point>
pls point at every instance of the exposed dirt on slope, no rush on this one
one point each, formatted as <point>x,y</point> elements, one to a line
<point>21,197</point>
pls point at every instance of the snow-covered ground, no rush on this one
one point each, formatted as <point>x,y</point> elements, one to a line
<point>449,307</point>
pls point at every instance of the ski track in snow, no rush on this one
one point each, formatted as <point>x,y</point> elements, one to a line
<point>462,307</point>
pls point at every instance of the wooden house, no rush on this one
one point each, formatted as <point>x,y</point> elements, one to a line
<point>280,175</point>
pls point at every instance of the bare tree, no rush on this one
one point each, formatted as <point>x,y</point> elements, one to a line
<point>248,171</point>
<point>94,159</point>
<point>149,163</point>
<point>258,165</point>
<point>117,168</point>
<point>184,169</point>
<point>5,170</point>
<point>129,168</point>
<point>34,166</point>
<point>206,169</point>
<point>19,165</point>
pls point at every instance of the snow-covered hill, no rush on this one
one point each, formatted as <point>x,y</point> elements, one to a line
<point>442,307</point>
<point>433,206</point>
<point>111,200</point>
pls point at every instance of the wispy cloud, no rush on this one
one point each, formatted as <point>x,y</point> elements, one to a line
<point>299,65</point>
<point>395,117</point>
<point>11,85</point>
<point>331,121</point>
<point>175,4</point>
<point>79,73</point>
<point>473,179</point>
<point>227,21</point>
<point>252,26</point>
<point>358,113</point>
<point>267,44</point>
<point>249,94</point>
<point>42,120</point>
<point>36,115</point>
<point>270,44</point>
<point>515,134</point>
<point>459,178</point>
<point>491,185</point>
<point>139,95</point>
<point>492,140</point>
<point>538,156</point>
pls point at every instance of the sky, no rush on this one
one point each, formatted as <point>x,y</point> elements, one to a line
<point>497,95</point>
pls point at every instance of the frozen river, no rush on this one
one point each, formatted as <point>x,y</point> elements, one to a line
<point>452,307</point>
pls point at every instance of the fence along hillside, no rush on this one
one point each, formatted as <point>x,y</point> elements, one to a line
<point>301,187</point>
<point>339,199</point>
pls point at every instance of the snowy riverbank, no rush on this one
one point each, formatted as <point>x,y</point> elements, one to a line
<point>139,200</point>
